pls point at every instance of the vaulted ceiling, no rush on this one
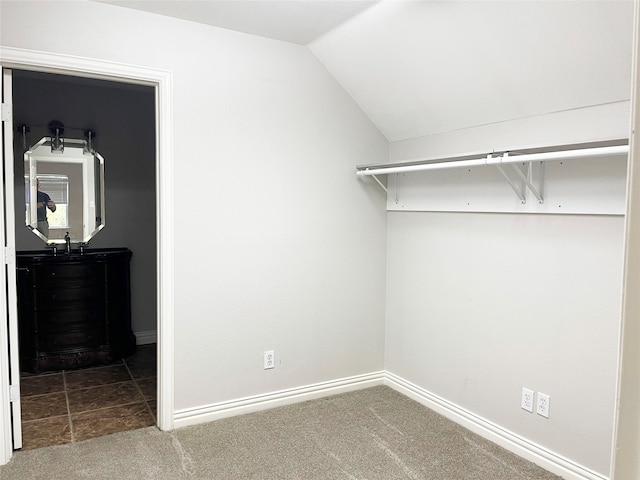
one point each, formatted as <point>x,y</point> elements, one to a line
<point>419,67</point>
<point>295,21</point>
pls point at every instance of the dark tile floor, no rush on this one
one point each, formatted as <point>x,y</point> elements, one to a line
<point>74,405</point>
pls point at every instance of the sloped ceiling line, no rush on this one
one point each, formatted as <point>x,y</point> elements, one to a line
<point>423,67</point>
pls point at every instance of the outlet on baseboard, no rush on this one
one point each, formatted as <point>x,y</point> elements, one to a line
<point>527,400</point>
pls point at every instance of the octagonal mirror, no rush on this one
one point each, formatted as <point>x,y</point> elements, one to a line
<point>64,190</point>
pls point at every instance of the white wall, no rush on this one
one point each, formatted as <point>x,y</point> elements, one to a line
<point>587,124</point>
<point>480,305</point>
<point>276,240</point>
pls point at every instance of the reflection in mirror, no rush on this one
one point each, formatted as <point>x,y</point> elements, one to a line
<point>65,179</point>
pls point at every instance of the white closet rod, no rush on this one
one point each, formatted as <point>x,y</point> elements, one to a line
<point>501,159</point>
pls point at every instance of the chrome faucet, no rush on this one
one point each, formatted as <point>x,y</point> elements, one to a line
<point>67,239</point>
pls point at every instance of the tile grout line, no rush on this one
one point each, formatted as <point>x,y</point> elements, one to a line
<point>135,382</point>
<point>99,386</point>
<point>109,407</point>
<point>45,418</point>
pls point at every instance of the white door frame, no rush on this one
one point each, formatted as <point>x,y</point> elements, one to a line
<point>162,81</point>
<point>10,310</point>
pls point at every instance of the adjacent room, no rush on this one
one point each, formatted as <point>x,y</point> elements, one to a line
<point>63,376</point>
<point>428,201</point>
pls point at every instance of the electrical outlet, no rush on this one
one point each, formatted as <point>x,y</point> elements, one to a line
<point>269,359</point>
<point>527,400</point>
<point>542,407</point>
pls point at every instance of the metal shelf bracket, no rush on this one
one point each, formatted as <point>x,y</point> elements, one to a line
<point>518,186</point>
<point>528,175</point>
<point>380,183</point>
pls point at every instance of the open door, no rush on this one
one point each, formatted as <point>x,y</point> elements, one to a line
<point>9,315</point>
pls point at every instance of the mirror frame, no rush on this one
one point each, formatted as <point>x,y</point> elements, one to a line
<point>76,152</point>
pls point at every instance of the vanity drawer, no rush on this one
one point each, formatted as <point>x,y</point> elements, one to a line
<point>64,318</point>
<point>57,342</point>
<point>69,274</point>
<point>86,295</point>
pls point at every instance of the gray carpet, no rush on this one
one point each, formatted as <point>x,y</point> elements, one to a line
<point>372,434</point>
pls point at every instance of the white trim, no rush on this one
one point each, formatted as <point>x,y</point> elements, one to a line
<point>146,337</point>
<point>163,82</point>
<point>493,432</point>
<point>6,428</point>
<point>216,411</point>
<point>10,260</point>
<point>516,444</point>
<point>165,249</point>
<point>80,66</point>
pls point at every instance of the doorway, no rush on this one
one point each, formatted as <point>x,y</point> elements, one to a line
<point>73,405</point>
<point>161,81</point>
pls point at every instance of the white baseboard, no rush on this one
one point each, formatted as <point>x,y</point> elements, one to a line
<point>208,413</point>
<point>147,337</point>
<point>514,443</point>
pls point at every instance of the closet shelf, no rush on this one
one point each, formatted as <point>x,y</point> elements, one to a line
<point>522,169</point>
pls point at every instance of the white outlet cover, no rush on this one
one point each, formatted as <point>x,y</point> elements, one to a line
<point>542,406</point>
<point>269,359</point>
<point>527,400</point>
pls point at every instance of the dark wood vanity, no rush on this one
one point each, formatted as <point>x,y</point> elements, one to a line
<point>74,310</point>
